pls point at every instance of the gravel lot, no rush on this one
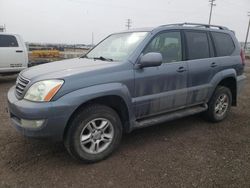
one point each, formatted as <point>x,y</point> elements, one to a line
<point>184,153</point>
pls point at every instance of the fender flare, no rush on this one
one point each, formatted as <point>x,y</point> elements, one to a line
<point>228,73</point>
<point>78,97</point>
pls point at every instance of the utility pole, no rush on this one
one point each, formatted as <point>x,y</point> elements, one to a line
<point>2,28</point>
<point>128,23</point>
<point>212,4</point>
<point>245,45</point>
<point>92,39</point>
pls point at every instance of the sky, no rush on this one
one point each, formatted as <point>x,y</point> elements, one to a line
<point>73,21</point>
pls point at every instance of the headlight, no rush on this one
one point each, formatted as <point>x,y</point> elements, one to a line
<point>43,90</point>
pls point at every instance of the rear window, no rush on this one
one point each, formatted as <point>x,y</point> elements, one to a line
<point>223,43</point>
<point>197,45</point>
<point>8,41</point>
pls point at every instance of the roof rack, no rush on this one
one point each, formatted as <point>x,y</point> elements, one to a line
<point>197,25</point>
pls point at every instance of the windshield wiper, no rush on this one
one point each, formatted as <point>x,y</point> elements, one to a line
<point>102,58</point>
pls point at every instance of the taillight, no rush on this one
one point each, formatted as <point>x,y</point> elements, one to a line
<point>242,55</point>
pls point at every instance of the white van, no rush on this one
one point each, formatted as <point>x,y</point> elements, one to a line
<point>13,54</point>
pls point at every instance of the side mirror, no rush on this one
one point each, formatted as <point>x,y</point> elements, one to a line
<point>151,59</point>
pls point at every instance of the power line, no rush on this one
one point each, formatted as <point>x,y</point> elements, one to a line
<point>245,45</point>
<point>128,23</point>
<point>212,4</point>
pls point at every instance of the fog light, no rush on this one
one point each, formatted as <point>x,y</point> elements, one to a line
<point>32,124</point>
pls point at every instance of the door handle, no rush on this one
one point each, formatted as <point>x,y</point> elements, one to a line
<point>213,65</point>
<point>181,69</point>
<point>19,51</point>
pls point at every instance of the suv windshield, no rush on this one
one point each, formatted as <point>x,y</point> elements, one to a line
<point>117,47</point>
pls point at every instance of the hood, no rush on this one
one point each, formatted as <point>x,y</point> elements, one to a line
<point>60,69</point>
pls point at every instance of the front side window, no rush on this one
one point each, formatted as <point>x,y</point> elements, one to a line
<point>168,44</point>
<point>197,45</point>
<point>223,43</point>
<point>117,47</point>
<point>8,41</point>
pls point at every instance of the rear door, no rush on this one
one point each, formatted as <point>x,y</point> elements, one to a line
<point>201,65</point>
<point>12,52</point>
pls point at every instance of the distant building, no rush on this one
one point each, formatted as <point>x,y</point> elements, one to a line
<point>60,47</point>
<point>242,44</point>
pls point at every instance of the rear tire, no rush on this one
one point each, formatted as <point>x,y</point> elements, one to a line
<point>94,133</point>
<point>219,104</point>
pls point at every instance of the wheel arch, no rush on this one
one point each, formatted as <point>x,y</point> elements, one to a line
<point>228,79</point>
<point>116,102</point>
<point>230,83</point>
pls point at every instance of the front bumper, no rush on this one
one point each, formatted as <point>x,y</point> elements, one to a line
<point>56,115</point>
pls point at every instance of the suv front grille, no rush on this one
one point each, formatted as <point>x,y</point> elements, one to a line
<point>21,84</point>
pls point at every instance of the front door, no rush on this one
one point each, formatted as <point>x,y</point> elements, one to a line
<point>164,88</point>
<point>11,53</point>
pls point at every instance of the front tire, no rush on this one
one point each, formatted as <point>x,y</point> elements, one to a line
<point>94,133</point>
<point>219,104</point>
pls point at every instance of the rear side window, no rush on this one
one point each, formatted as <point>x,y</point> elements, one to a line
<point>223,43</point>
<point>197,45</point>
<point>8,41</point>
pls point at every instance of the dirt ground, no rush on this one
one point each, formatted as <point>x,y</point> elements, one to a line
<point>183,153</point>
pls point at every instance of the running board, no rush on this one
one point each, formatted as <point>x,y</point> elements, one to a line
<point>170,116</point>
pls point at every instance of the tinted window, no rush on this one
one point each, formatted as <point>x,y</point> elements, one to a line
<point>8,41</point>
<point>223,43</point>
<point>197,45</point>
<point>168,44</point>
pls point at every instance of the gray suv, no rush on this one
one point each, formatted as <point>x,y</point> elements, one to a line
<point>130,80</point>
